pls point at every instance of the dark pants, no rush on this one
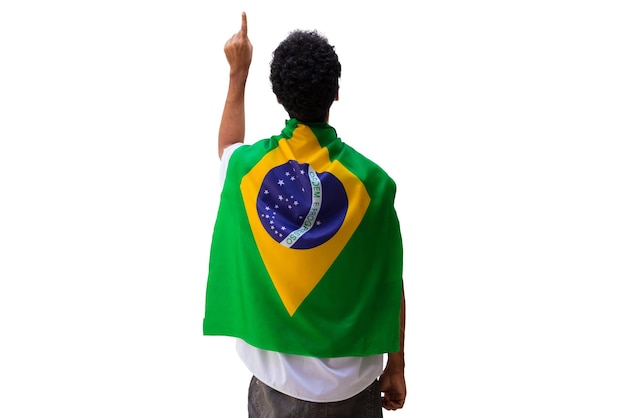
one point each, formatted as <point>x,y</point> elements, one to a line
<point>265,402</point>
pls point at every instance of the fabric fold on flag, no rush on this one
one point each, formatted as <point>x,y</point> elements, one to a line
<point>306,248</point>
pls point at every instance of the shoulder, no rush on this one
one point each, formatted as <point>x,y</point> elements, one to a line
<point>365,167</point>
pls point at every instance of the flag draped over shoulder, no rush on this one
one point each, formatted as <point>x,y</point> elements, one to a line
<point>306,254</point>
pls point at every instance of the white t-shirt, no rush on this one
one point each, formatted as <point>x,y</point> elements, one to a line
<point>308,378</point>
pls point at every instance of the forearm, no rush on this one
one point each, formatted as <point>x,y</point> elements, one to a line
<point>233,123</point>
<point>392,381</point>
<point>238,50</point>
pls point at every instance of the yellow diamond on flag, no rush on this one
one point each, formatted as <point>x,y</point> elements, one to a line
<point>295,271</point>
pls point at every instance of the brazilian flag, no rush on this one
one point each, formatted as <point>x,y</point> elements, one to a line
<point>306,253</point>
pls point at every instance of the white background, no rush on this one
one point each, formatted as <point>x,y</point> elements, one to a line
<point>503,124</point>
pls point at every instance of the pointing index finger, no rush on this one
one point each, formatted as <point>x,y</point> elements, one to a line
<point>244,24</point>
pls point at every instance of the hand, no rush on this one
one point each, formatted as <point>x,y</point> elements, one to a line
<point>238,49</point>
<point>393,386</point>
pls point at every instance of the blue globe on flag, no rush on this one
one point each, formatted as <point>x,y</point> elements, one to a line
<point>300,208</point>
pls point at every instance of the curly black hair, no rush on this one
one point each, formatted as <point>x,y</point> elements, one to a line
<point>304,73</point>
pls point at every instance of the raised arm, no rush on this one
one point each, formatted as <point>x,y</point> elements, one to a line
<point>238,50</point>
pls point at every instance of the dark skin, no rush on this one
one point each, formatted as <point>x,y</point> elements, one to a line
<point>238,51</point>
<point>392,382</point>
